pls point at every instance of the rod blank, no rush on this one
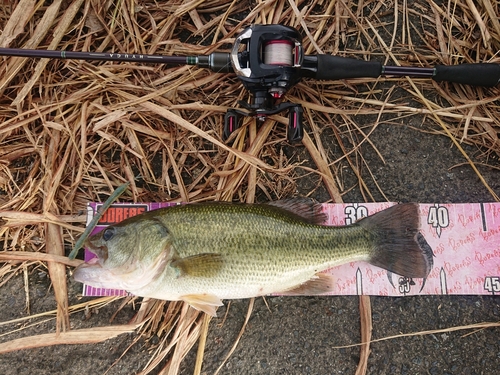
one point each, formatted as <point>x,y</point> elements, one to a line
<point>70,55</point>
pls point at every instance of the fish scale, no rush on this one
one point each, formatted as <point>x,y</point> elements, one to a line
<point>248,234</point>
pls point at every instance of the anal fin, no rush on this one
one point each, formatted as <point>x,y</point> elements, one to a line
<point>207,303</point>
<point>320,283</point>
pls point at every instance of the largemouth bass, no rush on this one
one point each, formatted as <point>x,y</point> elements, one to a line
<point>203,253</point>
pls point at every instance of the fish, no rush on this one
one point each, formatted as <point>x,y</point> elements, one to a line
<point>203,253</point>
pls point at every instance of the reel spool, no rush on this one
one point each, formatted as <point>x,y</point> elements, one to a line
<point>268,65</point>
<point>278,52</point>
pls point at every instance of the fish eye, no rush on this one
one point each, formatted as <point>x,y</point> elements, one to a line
<point>108,233</point>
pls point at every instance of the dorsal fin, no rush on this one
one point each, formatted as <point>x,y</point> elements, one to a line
<point>306,208</point>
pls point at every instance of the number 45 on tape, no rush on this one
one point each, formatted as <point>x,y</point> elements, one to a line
<point>492,284</point>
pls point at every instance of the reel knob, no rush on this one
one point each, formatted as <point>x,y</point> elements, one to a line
<point>295,131</point>
<point>231,123</point>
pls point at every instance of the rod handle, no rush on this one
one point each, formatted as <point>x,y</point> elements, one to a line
<point>483,74</point>
<point>336,67</point>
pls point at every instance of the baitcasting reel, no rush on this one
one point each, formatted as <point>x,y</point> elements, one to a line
<point>268,66</point>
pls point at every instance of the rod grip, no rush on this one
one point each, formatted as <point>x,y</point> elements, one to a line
<point>336,67</point>
<point>483,74</point>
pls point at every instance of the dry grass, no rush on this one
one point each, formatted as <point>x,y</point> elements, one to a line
<point>72,131</point>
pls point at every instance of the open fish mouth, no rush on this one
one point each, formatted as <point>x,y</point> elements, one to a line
<point>93,273</point>
<point>100,252</point>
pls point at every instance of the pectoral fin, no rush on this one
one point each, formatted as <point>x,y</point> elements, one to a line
<point>320,284</point>
<point>207,303</point>
<point>201,265</point>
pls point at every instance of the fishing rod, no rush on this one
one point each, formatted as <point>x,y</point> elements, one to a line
<point>269,60</point>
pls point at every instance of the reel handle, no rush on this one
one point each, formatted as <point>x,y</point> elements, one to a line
<point>295,131</point>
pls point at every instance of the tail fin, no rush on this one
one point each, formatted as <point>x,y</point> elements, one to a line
<point>399,247</point>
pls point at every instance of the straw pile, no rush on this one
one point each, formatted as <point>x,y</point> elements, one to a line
<point>72,131</point>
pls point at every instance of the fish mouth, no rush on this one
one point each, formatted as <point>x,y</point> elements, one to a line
<point>94,272</point>
<point>84,270</point>
<point>100,252</point>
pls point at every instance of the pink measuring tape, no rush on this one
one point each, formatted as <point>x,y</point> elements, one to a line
<point>465,240</point>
